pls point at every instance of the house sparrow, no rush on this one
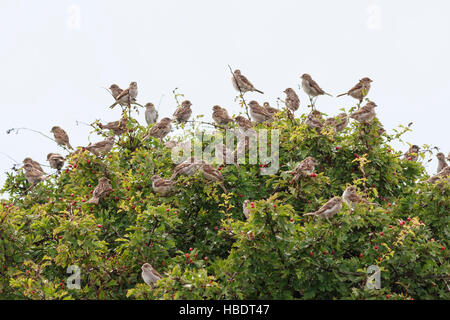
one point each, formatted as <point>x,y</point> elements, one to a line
<point>365,114</point>
<point>187,167</point>
<point>314,120</point>
<point>444,173</point>
<point>241,83</point>
<point>269,109</point>
<point>442,163</point>
<point>360,90</point>
<point>101,147</point>
<point>35,164</point>
<point>351,197</point>
<point>150,275</point>
<point>183,112</point>
<point>243,123</point>
<point>328,210</point>
<point>339,122</point>
<point>212,174</point>
<point>32,174</point>
<point>115,90</point>
<point>118,127</point>
<point>160,129</point>
<point>128,95</point>
<point>258,113</point>
<point>292,100</point>
<point>311,87</point>
<point>228,156</point>
<point>56,160</point>
<point>413,153</point>
<point>101,190</point>
<point>220,116</point>
<point>151,114</point>
<point>246,209</point>
<point>304,168</point>
<point>162,186</point>
<point>61,137</point>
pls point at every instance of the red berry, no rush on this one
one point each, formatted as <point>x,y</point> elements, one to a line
<point>337,148</point>
<point>311,253</point>
<point>190,261</point>
<point>313,175</point>
<point>187,255</point>
<point>205,258</point>
<point>376,247</point>
<point>325,253</point>
<point>390,227</point>
<point>167,210</point>
<point>388,296</point>
<point>99,226</point>
<point>356,156</point>
<point>442,248</point>
<point>381,233</point>
<point>190,249</point>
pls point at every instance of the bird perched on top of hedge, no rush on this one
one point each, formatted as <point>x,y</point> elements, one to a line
<point>55,160</point>
<point>444,173</point>
<point>160,129</point>
<point>270,109</point>
<point>183,112</point>
<point>366,113</point>
<point>102,147</point>
<point>32,174</point>
<point>127,96</point>
<point>150,275</point>
<point>339,122</point>
<point>35,164</point>
<point>311,87</point>
<point>258,113</point>
<point>101,190</point>
<point>151,114</point>
<point>243,123</point>
<point>360,90</point>
<point>118,127</point>
<point>413,153</point>
<point>61,137</point>
<point>304,168</point>
<point>292,101</point>
<point>187,167</point>
<point>241,83</point>
<point>220,116</point>
<point>212,174</point>
<point>162,186</point>
<point>441,161</point>
<point>329,209</point>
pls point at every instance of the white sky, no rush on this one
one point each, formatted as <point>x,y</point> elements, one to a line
<point>53,68</point>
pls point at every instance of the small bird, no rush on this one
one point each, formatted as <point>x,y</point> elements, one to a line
<point>227,155</point>
<point>101,147</point>
<point>150,275</point>
<point>101,190</point>
<point>258,113</point>
<point>162,186</point>
<point>35,164</point>
<point>183,112</point>
<point>360,90</point>
<point>339,122</point>
<point>441,161</point>
<point>61,137</point>
<point>115,90</point>
<point>128,95</point>
<point>187,167</point>
<point>118,127</point>
<point>448,157</point>
<point>151,114</point>
<point>160,129</point>
<point>292,100</point>
<point>304,168</point>
<point>56,161</point>
<point>366,113</point>
<point>311,87</point>
<point>351,197</point>
<point>444,173</point>
<point>212,174</point>
<point>246,209</point>
<point>273,111</point>
<point>243,123</point>
<point>412,154</point>
<point>220,116</point>
<point>314,120</point>
<point>242,84</point>
<point>32,174</point>
<point>329,209</point>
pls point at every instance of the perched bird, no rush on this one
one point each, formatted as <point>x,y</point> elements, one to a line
<point>366,113</point>
<point>162,186</point>
<point>187,167</point>
<point>183,112</point>
<point>101,190</point>
<point>150,275</point>
<point>242,84</point>
<point>329,209</point>
<point>258,113</point>
<point>311,87</point>
<point>32,174</point>
<point>441,161</point>
<point>35,164</point>
<point>314,120</point>
<point>304,168</point>
<point>228,156</point>
<point>360,90</point>
<point>351,197</point>
<point>243,123</point>
<point>246,209</point>
<point>160,129</point>
<point>448,157</point>
<point>212,174</point>
<point>381,131</point>
<point>118,127</point>
<point>413,153</point>
<point>220,116</point>
<point>56,160</point>
<point>339,122</point>
<point>444,173</point>
<point>128,95</point>
<point>61,137</point>
<point>151,114</point>
<point>292,100</point>
<point>101,147</point>
<point>115,90</point>
<point>269,109</point>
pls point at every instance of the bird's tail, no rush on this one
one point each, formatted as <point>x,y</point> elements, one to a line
<point>329,94</point>
<point>259,91</point>
<point>93,200</point>
<point>343,94</point>
<point>310,214</point>
<point>69,146</point>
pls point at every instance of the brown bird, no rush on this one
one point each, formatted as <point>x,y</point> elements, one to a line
<point>151,114</point>
<point>314,120</point>
<point>187,167</point>
<point>150,275</point>
<point>339,122</point>
<point>101,147</point>
<point>56,160</point>
<point>292,100</point>
<point>448,157</point>
<point>162,186</point>
<point>351,197</point>
<point>61,137</point>
<point>269,109</point>
<point>328,210</point>
<point>35,164</point>
<point>242,84</point>
<point>246,209</point>
<point>101,190</point>
<point>243,123</point>
<point>160,129</point>
<point>227,155</point>
<point>115,90</point>
<point>183,112</point>
<point>366,113</point>
<point>32,174</point>
<point>441,161</point>
<point>304,168</point>
<point>118,127</point>
<point>212,174</point>
<point>412,154</point>
<point>360,90</point>
<point>311,87</point>
<point>258,113</point>
<point>444,173</point>
<point>127,96</point>
<point>220,116</point>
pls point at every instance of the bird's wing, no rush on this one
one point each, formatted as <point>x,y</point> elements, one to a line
<point>245,81</point>
<point>123,93</point>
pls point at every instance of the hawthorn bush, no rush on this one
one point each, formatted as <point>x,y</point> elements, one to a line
<point>199,239</point>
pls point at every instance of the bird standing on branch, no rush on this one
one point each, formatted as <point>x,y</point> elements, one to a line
<point>151,114</point>
<point>32,174</point>
<point>162,186</point>
<point>311,88</point>
<point>365,114</point>
<point>61,137</point>
<point>441,161</point>
<point>160,129</point>
<point>101,147</point>
<point>360,90</point>
<point>220,116</point>
<point>351,197</point>
<point>56,161</point>
<point>242,84</point>
<point>183,112</point>
<point>150,275</point>
<point>101,190</point>
<point>329,209</point>
<point>258,113</point>
<point>127,96</point>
